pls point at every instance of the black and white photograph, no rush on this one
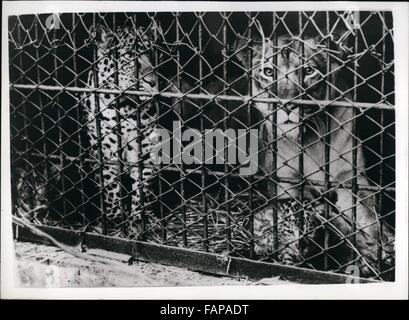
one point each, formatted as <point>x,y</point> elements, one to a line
<point>190,145</point>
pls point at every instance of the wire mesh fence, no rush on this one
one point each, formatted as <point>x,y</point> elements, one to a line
<point>261,135</point>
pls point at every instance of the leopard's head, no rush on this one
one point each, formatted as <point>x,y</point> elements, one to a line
<point>126,59</point>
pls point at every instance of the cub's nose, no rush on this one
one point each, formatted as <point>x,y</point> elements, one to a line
<point>288,113</point>
<point>290,107</point>
<point>287,108</point>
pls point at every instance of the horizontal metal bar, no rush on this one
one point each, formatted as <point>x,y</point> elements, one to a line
<point>187,258</point>
<point>245,98</point>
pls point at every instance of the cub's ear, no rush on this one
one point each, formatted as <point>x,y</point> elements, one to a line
<point>19,173</point>
<point>241,48</point>
<point>345,42</point>
<point>340,41</point>
<point>102,36</point>
<point>55,173</point>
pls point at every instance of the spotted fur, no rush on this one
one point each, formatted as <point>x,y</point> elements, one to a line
<point>296,232</point>
<point>124,62</point>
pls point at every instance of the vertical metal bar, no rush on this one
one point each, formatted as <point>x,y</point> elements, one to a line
<point>381,150</point>
<point>24,107</point>
<point>99,146</point>
<point>249,106</point>
<point>139,140</point>
<point>202,132</point>
<point>354,145</point>
<point>42,119</point>
<point>117,130</point>
<point>182,169</point>
<point>157,105</point>
<point>225,115</point>
<point>60,116</point>
<point>13,131</point>
<point>380,196</point>
<point>274,144</point>
<point>301,130</point>
<point>327,141</point>
<point>79,127</point>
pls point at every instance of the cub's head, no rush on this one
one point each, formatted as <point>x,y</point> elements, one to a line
<point>31,189</point>
<point>291,69</point>
<point>127,53</point>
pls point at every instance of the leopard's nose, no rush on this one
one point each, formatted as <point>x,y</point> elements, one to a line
<point>146,85</point>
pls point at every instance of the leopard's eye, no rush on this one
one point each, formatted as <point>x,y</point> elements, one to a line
<point>268,71</point>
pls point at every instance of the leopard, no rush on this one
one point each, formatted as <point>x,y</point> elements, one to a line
<point>122,129</point>
<point>295,67</point>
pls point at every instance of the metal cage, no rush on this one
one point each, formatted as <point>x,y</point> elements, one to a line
<point>334,71</point>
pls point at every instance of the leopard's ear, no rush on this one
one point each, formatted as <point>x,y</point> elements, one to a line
<point>150,36</point>
<point>156,30</point>
<point>151,32</point>
<point>102,35</point>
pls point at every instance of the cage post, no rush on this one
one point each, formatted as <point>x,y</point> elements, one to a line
<point>158,111</point>
<point>139,139</point>
<point>99,146</point>
<point>274,144</point>
<point>79,127</point>
<point>381,150</point>
<point>354,144</point>
<point>61,137</point>
<point>24,107</point>
<point>202,132</point>
<point>181,168</point>
<point>117,130</point>
<point>327,141</point>
<point>249,106</point>
<point>301,132</point>
<point>41,106</point>
<point>225,116</point>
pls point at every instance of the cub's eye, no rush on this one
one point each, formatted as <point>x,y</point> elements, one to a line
<point>268,71</point>
<point>308,70</point>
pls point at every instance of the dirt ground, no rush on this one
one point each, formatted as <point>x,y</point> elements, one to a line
<point>46,266</point>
